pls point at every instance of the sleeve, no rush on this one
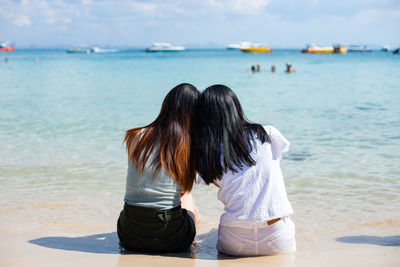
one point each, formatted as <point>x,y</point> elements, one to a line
<point>279,144</point>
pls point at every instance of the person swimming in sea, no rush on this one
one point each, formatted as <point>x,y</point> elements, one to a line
<point>289,68</point>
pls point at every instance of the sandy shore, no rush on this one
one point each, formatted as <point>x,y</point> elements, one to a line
<point>67,245</point>
<point>79,230</point>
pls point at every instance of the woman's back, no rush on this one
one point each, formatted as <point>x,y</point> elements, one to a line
<point>257,193</point>
<point>146,190</point>
<point>243,159</point>
<point>159,170</point>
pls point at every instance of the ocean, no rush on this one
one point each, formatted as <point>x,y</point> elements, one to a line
<point>63,117</point>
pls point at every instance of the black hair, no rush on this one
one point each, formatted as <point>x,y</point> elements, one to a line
<point>222,138</point>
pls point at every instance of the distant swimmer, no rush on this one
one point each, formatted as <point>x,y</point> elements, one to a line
<point>253,69</point>
<point>258,67</point>
<point>6,60</point>
<point>289,68</point>
<point>36,59</point>
<point>273,68</point>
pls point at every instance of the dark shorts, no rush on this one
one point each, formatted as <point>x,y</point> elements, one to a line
<point>147,230</point>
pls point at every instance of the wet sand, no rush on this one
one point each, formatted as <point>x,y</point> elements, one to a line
<point>64,244</point>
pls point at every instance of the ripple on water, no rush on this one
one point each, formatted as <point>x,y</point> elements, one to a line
<point>298,156</point>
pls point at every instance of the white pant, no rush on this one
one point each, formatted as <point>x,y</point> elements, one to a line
<point>257,238</point>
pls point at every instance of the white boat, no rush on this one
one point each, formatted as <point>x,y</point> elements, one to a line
<point>96,49</point>
<point>81,49</point>
<point>358,48</point>
<point>238,46</point>
<point>164,47</point>
<point>385,48</point>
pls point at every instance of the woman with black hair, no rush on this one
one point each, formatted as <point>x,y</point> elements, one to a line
<point>242,159</point>
<point>159,214</point>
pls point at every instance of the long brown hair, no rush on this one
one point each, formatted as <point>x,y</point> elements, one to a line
<point>167,138</point>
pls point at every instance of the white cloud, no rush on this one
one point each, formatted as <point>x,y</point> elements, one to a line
<point>248,6</point>
<point>14,13</point>
<point>395,13</point>
<point>215,3</point>
<point>252,7</point>
<point>369,15</point>
<point>146,7</point>
<point>60,12</point>
<point>22,21</point>
<point>90,18</point>
<point>49,12</point>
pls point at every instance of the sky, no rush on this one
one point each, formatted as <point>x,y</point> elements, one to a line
<point>199,23</point>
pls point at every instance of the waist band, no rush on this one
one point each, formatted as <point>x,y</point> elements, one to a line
<point>251,224</point>
<point>149,212</point>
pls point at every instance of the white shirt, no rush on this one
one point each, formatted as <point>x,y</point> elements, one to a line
<point>257,193</point>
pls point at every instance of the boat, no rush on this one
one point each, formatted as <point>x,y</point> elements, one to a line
<point>6,47</point>
<point>80,49</point>
<point>164,47</point>
<point>339,49</point>
<point>238,46</point>
<point>385,48</point>
<point>396,51</point>
<point>358,48</point>
<point>96,49</point>
<point>317,49</point>
<point>256,49</point>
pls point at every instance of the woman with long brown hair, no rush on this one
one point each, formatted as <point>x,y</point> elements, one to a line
<point>159,214</point>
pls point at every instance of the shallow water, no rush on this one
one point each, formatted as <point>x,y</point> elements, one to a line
<point>62,122</point>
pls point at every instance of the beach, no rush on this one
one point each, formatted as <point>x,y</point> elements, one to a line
<point>94,242</point>
<point>63,164</point>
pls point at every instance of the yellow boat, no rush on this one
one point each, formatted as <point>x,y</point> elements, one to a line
<point>317,49</point>
<point>339,49</point>
<point>256,49</point>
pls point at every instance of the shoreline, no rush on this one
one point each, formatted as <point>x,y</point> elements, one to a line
<point>79,245</point>
<point>82,232</point>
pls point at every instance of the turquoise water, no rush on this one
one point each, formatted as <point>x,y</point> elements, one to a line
<point>63,117</point>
